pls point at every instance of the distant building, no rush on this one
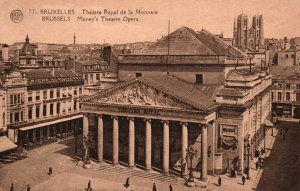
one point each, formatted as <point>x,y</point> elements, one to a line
<point>288,58</point>
<point>286,91</point>
<point>246,35</point>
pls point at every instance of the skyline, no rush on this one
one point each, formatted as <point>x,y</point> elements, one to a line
<point>215,16</point>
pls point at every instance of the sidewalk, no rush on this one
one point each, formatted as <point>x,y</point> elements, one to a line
<point>235,184</point>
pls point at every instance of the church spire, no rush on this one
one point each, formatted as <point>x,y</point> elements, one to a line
<point>74,37</point>
<point>27,39</point>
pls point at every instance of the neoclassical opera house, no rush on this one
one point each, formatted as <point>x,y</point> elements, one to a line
<point>151,122</point>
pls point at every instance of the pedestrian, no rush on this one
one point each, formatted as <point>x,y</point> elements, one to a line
<point>257,165</point>
<point>11,187</point>
<point>89,185</point>
<point>235,172</point>
<point>127,183</point>
<point>262,151</point>
<point>50,171</point>
<point>243,179</point>
<point>154,187</point>
<point>28,187</point>
<point>220,181</point>
<point>170,187</point>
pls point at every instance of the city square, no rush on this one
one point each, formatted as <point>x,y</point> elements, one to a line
<point>196,95</point>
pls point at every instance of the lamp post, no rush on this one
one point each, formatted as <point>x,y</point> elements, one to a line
<point>248,159</point>
<point>190,152</point>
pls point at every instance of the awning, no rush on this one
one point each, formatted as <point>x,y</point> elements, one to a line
<point>268,123</point>
<point>50,122</point>
<point>6,144</point>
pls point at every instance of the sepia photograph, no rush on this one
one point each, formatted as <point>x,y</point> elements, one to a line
<point>149,95</point>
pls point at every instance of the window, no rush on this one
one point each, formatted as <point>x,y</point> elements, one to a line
<point>51,108</point>
<point>3,119</point>
<point>45,110</point>
<point>37,111</point>
<point>86,78</point>
<point>58,93</point>
<point>279,85</point>
<point>51,94</point>
<point>75,104</point>
<point>288,86</point>
<point>37,96</point>
<point>75,91</point>
<point>286,56</point>
<point>80,90</point>
<point>297,96</point>
<point>97,77</point>
<point>137,75</point>
<point>17,116</point>
<point>30,113</point>
<point>272,95</point>
<point>15,99</point>
<point>199,78</point>
<point>292,56</point>
<point>287,96</point>
<point>29,96</point>
<point>91,78</point>
<point>58,108</point>
<point>279,96</point>
<point>298,86</point>
<point>45,94</point>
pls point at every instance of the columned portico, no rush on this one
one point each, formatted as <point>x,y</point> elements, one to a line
<point>204,152</point>
<point>148,145</point>
<point>146,121</point>
<point>131,142</point>
<point>115,140</point>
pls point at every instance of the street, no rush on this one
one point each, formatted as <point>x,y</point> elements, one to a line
<point>282,169</point>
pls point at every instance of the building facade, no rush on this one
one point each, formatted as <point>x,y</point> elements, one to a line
<point>214,71</point>
<point>286,91</point>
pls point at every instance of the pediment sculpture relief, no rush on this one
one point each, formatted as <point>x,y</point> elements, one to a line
<point>134,96</point>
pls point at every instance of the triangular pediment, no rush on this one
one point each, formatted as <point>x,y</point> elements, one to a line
<point>137,93</point>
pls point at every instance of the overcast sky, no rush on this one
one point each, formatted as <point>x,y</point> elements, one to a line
<point>281,18</point>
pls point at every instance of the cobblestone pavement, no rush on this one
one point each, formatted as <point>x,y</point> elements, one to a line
<point>68,175</point>
<point>281,171</point>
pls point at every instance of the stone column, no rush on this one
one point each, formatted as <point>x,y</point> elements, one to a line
<point>211,131</point>
<point>33,135</point>
<point>204,152</point>
<point>148,145</point>
<point>100,138</point>
<point>85,125</point>
<point>48,131</point>
<point>131,142</point>
<point>166,152</point>
<point>115,140</point>
<point>84,134</point>
<point>41,133</point>
<point>184,146</point>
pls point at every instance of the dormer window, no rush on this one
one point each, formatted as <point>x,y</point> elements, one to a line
<point>180,34</point>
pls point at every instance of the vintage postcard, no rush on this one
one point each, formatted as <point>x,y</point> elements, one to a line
<point>149,95</point>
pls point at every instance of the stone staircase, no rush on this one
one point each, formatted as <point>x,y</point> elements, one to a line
<point>138,173</point>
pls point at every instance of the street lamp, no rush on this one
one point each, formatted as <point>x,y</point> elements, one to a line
<point>191,153</point>
<point>247,145</point>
